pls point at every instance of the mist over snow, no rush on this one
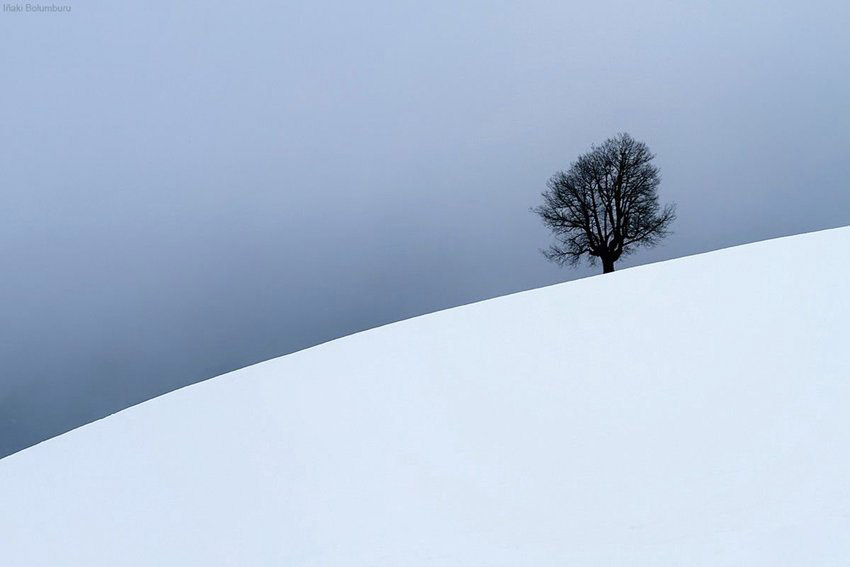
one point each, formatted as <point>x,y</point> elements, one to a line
<point>691,412</point>
<point>190,187</point>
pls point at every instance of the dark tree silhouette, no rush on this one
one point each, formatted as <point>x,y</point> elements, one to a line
<point>606,205</point>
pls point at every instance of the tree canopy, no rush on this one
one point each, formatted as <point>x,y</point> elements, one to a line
<point>605,205</point>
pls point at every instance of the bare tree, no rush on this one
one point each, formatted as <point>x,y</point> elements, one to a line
<point>606,205</point>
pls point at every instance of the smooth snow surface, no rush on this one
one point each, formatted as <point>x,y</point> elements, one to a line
<point>694,412</point>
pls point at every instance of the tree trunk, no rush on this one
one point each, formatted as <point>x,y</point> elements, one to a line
<point>607,265</point>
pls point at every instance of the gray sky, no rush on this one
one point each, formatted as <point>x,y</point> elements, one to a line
<point>190,187</point>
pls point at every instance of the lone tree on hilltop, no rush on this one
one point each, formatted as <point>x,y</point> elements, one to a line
<point>606,205</point>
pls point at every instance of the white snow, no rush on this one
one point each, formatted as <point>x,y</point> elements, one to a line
<point>694,412</point>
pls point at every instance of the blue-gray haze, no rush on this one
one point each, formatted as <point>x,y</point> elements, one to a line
<point>191,187</point>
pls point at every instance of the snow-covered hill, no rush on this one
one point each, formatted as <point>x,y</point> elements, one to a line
<point>694,412</point>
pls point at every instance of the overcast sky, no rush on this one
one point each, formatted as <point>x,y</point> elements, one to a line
<point>190,187</point>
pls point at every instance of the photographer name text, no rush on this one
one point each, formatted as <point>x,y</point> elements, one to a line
<point>35,8</point>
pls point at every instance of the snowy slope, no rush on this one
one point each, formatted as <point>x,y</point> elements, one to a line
<point>694,412</point>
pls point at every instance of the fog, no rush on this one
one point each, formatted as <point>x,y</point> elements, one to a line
<point>188,188</point>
